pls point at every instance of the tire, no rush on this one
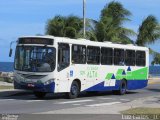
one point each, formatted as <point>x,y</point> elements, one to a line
<point>122,90</point>
<point>74,90</point>
<point>40,94</point>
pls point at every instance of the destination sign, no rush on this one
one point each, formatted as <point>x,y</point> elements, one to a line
<point>36,41</point>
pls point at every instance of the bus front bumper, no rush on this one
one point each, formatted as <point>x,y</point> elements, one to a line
<point>38,87</point>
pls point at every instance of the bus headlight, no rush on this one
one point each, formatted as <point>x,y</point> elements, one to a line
<point>48,82</point>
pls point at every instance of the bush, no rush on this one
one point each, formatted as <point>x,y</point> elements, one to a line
<point>6,79</point>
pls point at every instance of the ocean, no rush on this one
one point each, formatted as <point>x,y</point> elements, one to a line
<point>8,67</point>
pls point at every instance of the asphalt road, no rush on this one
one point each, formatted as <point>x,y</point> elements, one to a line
<point>26,103</point>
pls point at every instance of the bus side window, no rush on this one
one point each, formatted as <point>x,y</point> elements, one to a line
<point>93,55</point>
<point>106,56</point>
<point>78,54</point>
<point>63,56</point>
<point>140,58</point>
<point>130,57</point>
<point>119,57</point>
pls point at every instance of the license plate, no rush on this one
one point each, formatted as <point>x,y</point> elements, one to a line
<point>30,85</point>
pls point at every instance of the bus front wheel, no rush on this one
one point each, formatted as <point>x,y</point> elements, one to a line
<point>40,94</point>
<point>74,90</point>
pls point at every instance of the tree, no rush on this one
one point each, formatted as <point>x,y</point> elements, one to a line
<point>156,59</point>
<point>149,31</point>
<point>56,26</point>
<point>64,26</point>
<point>71,26</point>
<point>110,27</point>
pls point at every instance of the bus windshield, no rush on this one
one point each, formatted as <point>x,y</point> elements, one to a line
<point>35,59</point>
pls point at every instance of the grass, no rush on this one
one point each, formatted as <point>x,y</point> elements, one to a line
<point>142,111</point>
<point>150,112</point>
<point>6,87</point>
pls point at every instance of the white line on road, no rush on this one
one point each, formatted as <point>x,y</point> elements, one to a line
<point>102,104</point>
<point>76,104</point>
<point>35,100</point>
<point>105,98</point>
<point>7,99</point>
<point>77,101</point>
<point>125,99</point>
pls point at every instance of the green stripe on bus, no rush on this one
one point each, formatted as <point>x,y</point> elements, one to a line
<point>109,76</point>
<point>140,74</point>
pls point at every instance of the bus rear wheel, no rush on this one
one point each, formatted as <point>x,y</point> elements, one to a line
<point>40,94</point>
<point>123,88</point>
<point>74,90</point>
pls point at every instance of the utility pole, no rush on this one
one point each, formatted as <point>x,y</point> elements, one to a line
<point>84,18</point>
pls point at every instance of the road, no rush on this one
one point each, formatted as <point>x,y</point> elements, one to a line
<point>26,103</point>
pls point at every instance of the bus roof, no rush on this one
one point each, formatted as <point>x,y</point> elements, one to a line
<point>82,41</point>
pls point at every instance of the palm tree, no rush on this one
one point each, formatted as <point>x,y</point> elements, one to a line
<point>110,26</point>
<point>156,59</point>
<point>149,31</point>
<point>56,26</point>
<point>64,26</point>
<point>72,27</point>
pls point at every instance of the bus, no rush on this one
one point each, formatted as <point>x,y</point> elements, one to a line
<point>48,64</point>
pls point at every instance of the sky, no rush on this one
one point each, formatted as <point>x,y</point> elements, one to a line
<point>29,17</point>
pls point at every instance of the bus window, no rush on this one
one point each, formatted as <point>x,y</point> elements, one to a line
<point>106,56</point>
<point>140,58</point>
<point>35,59</point>
<point>78,54</point>
<point>93,55</point>
<point>130,58</point>
<point>119,57</point>
<point>63,56</point>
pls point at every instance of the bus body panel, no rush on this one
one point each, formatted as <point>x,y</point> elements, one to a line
<point>101,78</point>
<point>91,77</point>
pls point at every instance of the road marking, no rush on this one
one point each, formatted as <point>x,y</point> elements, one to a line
<point>7,99</point>
<point>104,98</point>
<point>34,101</point>
<point>76,104</point>
<point>103,104</point>
<point>125,99</point>
<point>77,101</point>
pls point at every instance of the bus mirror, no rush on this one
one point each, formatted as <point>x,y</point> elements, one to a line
<point>10,52</point>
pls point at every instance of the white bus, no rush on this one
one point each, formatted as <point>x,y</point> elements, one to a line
<point>47,64</point>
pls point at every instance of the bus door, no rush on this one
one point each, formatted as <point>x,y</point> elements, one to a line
<point>63,66</point>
